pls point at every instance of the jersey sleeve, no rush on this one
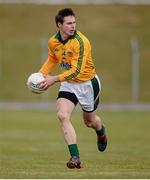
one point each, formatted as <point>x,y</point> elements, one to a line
<point>50,62</point>
<point>78,61</point>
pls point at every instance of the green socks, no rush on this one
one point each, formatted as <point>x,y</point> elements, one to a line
<point>101,131</point>
<point>73,149</point>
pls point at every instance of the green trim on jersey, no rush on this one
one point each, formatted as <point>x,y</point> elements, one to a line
<point>58,37</point>
<point>80,59</point>
<point>96,89</point>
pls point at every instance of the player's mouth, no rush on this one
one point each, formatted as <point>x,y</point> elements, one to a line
<point>72,31</point>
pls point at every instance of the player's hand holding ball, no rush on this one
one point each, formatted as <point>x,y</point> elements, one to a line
<point>38,83</point>
<point>48,81</point>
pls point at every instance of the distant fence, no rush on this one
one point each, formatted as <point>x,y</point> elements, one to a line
<point>130,2</point>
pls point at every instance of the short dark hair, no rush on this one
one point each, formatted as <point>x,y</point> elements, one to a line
<point>63,13</point>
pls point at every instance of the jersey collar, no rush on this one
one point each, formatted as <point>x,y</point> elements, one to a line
<point>58,37</point>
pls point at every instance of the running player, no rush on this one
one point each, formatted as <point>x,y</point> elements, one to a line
<point>79,82</point>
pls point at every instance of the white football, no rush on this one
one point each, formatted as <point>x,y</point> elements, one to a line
<point>33,82</point>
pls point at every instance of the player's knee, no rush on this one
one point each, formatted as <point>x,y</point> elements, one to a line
<point>62,116</point>
<point>88,124</point>
<point>88,121</point>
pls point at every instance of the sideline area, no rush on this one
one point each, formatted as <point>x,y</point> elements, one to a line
<point>51,106</point>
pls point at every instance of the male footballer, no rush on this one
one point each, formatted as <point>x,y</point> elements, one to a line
<point>79,82</point>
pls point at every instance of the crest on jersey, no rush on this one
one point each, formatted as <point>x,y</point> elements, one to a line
<point>70,53</point>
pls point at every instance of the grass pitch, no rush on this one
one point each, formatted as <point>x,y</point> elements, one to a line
<point>31,146</point>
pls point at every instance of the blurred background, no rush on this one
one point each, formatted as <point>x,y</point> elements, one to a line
<point>119,32</point>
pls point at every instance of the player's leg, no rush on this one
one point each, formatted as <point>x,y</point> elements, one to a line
<point>64,111</point>
<point>93,121</point>
<point>89,104</point>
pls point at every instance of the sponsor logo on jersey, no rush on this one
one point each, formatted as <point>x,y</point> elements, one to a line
<point>65,65</point>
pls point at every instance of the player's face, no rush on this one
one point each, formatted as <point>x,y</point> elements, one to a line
<point>67,28</point>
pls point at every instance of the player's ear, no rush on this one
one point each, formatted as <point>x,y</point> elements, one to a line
<point>59,24</point>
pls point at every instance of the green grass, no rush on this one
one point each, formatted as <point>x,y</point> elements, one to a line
<point>31,146</point>
<point>109,29</point>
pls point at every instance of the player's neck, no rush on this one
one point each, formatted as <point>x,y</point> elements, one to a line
<point>64,36</point>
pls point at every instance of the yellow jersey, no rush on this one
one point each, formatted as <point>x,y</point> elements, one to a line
<point>74,57</point>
